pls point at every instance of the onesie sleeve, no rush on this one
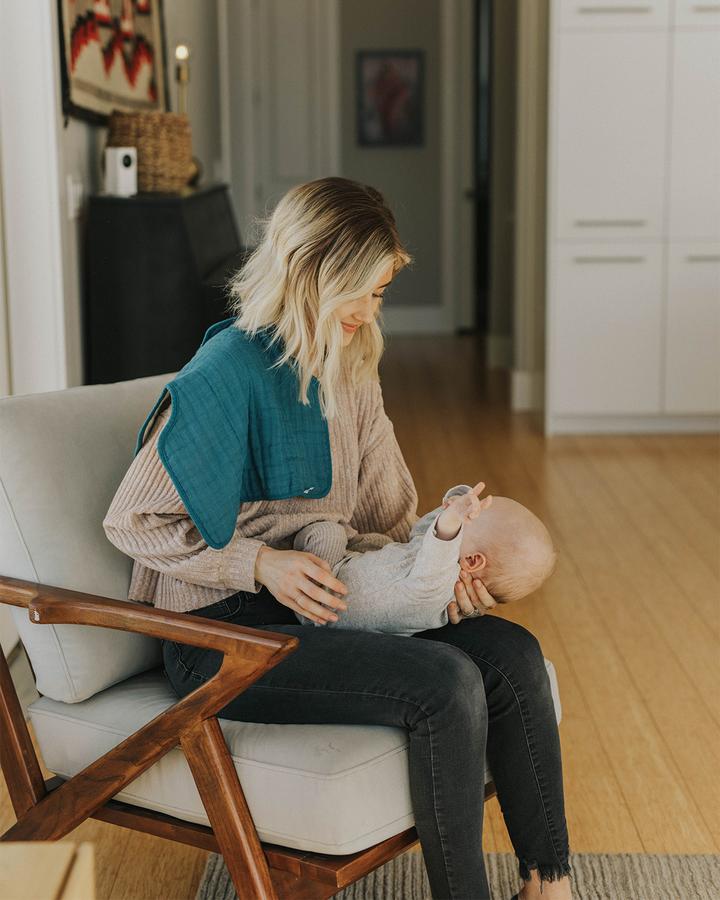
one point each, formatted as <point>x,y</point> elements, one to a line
<point>387,498</point>
<point>148,522</point>
<point>437,563</point>
<point>422,525</point>
<point>328,540</point>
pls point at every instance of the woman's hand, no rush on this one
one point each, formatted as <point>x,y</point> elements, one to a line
<point>291,576</point>
<point>471,599</point>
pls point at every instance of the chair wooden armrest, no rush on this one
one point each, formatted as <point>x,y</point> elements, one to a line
<point>50,605</point>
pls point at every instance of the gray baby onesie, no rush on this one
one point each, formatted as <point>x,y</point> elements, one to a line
<point>401,588</point>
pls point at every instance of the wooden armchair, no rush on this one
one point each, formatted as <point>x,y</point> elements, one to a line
<point>290,818</point>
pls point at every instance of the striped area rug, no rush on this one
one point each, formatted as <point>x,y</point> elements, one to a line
<point>596,876</point>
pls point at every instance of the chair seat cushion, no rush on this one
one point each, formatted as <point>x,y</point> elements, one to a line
<point>326,788</point>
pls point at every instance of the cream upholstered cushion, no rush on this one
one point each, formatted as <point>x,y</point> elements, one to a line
<point>325,788</point>
<point>62,456</point>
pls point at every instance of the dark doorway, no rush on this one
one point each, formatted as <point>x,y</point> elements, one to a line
<point>482,69</point>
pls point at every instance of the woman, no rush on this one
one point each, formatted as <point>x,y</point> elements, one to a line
<point>476,686</point>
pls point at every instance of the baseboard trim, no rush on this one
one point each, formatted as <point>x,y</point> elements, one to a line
<point>555,424</point>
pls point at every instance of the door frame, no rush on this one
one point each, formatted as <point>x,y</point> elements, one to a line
<point>527,385</point>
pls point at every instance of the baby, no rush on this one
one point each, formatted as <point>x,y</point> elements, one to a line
<point>406,587</point>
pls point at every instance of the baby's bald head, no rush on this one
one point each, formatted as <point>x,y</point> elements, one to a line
<point>517,548</point>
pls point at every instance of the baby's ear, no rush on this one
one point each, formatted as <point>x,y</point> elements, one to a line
<point>474,562</point>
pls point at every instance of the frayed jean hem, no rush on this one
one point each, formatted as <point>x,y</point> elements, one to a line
<point>546,872</point>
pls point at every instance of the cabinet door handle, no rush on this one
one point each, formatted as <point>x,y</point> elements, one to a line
<point>610,223</point>
<point>703,257</point>
<point>614,9</point>
<point>608,259</point>
<point>706,7</point>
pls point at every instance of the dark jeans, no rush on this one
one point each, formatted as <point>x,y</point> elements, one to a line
<point>462,691</point>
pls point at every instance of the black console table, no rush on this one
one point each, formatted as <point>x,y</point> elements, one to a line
<point>155,268</point>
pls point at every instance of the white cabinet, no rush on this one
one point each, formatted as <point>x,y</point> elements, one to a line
<point>695,136</point>
<point>624,14</point>
<point>606,346</point>
<point>611,126</point>
<point>692,368</point>
<point>633,217</point>
<point>611,131</point>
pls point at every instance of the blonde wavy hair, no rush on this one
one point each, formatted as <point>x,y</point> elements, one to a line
<point>326,242</point>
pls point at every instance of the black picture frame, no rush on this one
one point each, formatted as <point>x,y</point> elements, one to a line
<point>94,117</point>
<point>390,98</point>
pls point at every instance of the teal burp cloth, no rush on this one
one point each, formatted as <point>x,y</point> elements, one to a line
<point>237,431</point>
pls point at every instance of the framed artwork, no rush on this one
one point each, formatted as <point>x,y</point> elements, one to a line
<point>390,97</point>
<point>112,56</point>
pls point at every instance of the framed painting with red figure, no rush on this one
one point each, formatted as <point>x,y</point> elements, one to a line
<point>390,101</point>
<point>112,56</point>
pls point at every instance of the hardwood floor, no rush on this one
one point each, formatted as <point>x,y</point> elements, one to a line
<point>630,618</point>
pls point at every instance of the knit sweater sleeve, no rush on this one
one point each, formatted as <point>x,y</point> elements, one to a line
<point>148,521</point>
<point>386,499</point>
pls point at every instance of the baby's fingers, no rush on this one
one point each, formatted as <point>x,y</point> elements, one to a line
<point>478,489</point>
<point>479,506</point>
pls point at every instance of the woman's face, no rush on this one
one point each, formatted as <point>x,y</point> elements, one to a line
<point>361,311</point>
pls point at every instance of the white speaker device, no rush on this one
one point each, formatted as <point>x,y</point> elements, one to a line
<point>121,171</point>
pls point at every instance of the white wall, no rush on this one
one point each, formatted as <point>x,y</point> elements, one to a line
<point>29,160</point>
<point>196,24</point>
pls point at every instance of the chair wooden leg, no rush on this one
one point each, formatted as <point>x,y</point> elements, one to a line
<point>18,760</point>
<point>217,782</point>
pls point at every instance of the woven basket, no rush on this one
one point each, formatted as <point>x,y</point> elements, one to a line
<point>164,147</point>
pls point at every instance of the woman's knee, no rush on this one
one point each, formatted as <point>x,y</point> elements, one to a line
<point>524,656</point>
<point>446,680</point>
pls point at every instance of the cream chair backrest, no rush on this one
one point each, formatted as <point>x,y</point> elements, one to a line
<point>62,456</point>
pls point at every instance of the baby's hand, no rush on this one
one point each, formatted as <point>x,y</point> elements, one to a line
<point>468,506</point>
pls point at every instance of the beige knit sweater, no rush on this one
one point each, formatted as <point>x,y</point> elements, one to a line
<point>372,496</point>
